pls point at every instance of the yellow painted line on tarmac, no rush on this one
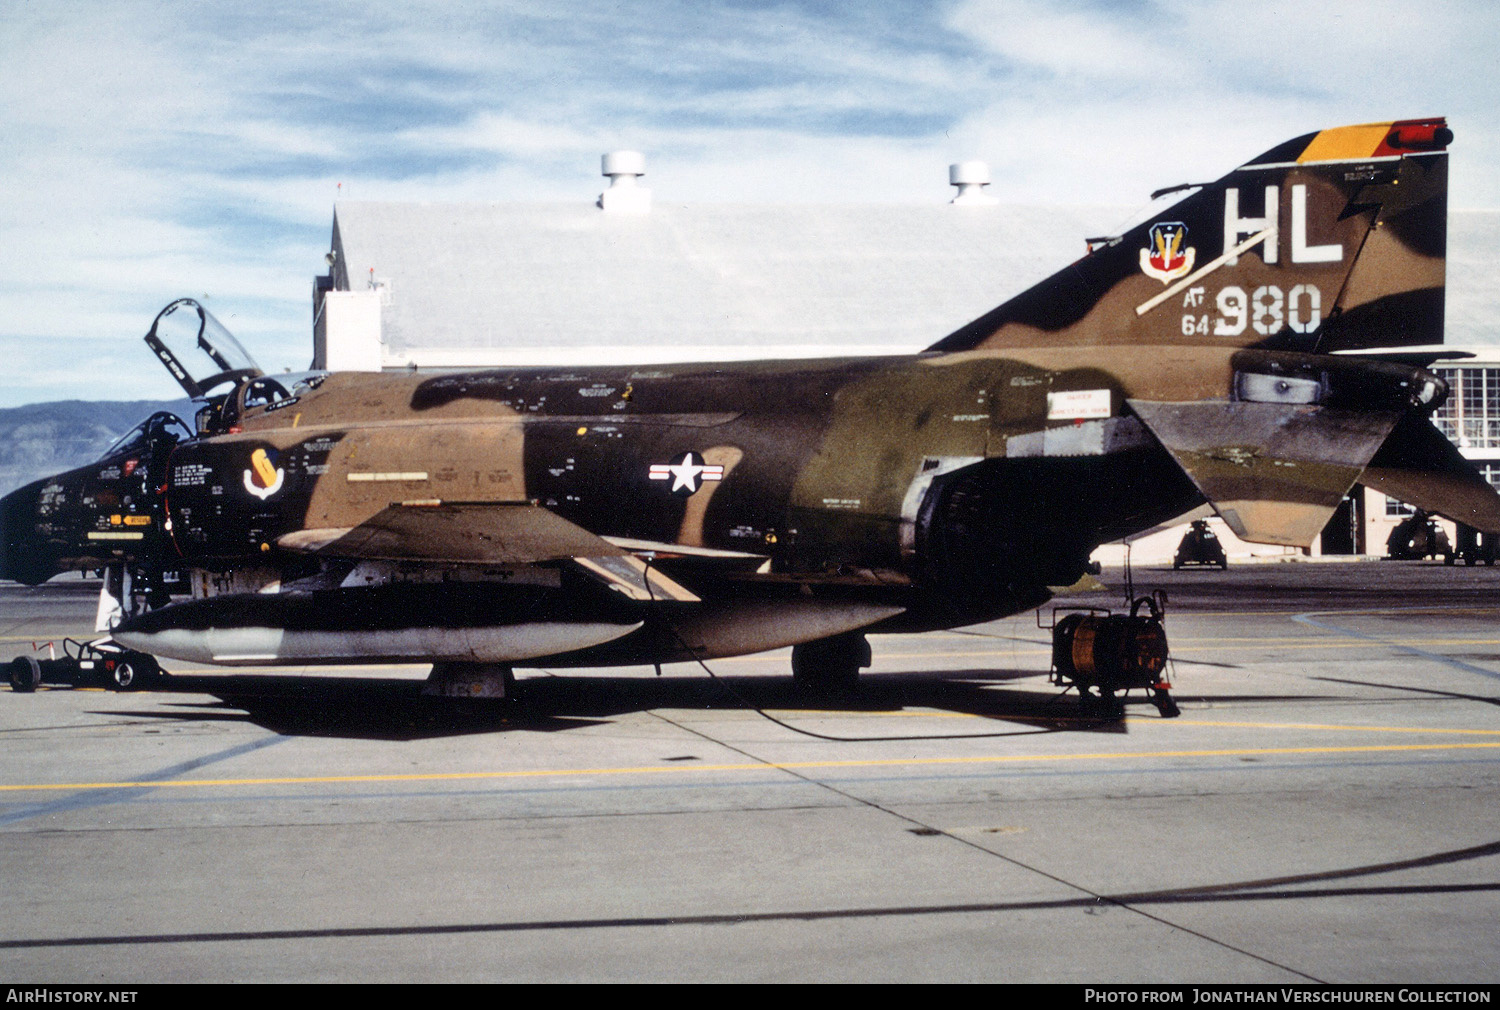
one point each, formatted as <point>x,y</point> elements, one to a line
<point>1377,611</point>
<point>680,769</point>
<point>1155,721</point>
<point>1293,612</point>
<point>1301,642</point>
<point>1328,726</point>
<point>1319,635</point>
<point>1342,643</point>
<point>881,714</point>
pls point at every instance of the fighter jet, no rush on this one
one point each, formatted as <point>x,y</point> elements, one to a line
<point>1258,344</point>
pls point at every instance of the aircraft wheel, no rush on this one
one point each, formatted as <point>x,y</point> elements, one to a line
<point>830,664</point>
<point>132,673</point>
<point>25,674</point>
<point>122,676</point>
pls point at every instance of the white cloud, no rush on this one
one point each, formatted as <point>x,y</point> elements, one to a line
<point>168,148</point>
<point>1071,42</point>
<point>1120,99</point>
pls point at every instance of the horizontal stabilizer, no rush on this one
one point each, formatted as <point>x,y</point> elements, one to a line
<point>1419,466</point>
<point>1275,472</point>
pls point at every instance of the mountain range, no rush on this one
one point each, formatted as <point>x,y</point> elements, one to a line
<point>41,439</point>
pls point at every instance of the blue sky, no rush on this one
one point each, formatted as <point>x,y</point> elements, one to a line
<point>161,149</point>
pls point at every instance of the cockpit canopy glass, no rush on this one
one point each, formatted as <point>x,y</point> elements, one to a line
<point>162,428</point>
<point>196,348</point>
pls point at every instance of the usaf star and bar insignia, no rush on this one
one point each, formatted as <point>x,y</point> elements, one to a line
<point>687,473</point>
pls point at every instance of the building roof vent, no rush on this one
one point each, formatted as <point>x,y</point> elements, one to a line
<point>625,194</point>
<point>971,177</point>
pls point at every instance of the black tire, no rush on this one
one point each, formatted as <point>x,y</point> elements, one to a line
<point>25,674</point>
<point>830,665</point>
<point>122,676</point>
<point>132,672</point>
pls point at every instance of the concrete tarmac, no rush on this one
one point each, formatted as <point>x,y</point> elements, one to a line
<point>1326,808</point>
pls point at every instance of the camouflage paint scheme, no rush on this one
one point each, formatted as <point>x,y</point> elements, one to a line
<point>645,514</point>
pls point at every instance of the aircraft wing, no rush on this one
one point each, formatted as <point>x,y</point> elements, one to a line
<point>495,533</point>
<point>489,533</point>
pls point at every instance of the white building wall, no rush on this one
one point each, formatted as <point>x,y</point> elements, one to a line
<point>347,333</point>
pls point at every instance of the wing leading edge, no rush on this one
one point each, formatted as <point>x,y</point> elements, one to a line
<point>490,533</point>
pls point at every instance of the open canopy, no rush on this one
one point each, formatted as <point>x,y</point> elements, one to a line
<point>196,348</point>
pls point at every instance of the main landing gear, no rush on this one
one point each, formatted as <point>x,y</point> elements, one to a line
<point>469,694</point>
<point>1101,653</point>
<point>474,681</point>
<point>830,665</point>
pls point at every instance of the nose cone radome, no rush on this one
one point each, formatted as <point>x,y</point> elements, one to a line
<point>20,558</point>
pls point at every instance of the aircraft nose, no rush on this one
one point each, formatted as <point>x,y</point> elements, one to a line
<point>17,522</point>
<point>6,526</point>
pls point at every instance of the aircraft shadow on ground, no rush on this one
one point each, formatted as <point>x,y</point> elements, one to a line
<point>365,708</point>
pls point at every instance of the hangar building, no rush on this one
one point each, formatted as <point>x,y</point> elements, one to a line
<point>444,285</point>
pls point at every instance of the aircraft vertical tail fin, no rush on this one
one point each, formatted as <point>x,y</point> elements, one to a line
<point>1332,241</point>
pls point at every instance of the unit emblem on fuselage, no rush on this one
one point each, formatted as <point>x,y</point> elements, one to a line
<point>1167,257</point>
<point>687,473</point>
<point>264,478</point>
